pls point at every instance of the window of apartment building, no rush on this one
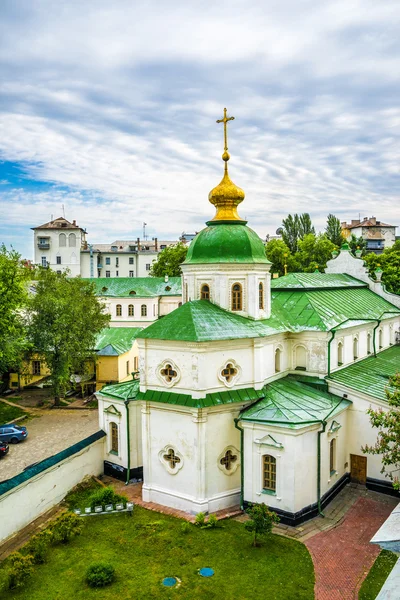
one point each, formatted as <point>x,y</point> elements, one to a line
<point>44,261</point>
<point>58,260</point>
<point>148,267</point>
<point>116,273</point>
<point>143,310</point>
<point>108,260</point>
<point>108,274</point>
<point>62,240</point>
<point>269,473</point>
<point>118,310</point>
<point>36,367</point>
<point>117,262</point>
<point>131,274</point>
<point>114,248</point>
<point>131,310</point>
<point>127,367</point>
<point>72,240</point>
<point>131,260</point>
<point>163,246</point>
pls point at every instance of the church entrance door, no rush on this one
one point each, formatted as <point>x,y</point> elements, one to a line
<point>358,469</point>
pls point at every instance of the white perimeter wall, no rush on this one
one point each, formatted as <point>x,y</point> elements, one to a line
<point>23,504</point>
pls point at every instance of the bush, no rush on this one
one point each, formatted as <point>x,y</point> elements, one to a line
<point>100,574</point>
<point>39,545</point>
<point>200,519</point>
<point>65,527</point>
<point>261,521</point>
<point>21,569</point>
<point>212,522</point>
<point>105,496</point>
<point>185,527</point>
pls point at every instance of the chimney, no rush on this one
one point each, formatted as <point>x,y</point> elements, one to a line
<point>156,244</point>
<point>373,220</point>
<point>138,244</point>
<point>355,221</point>
<point>74,222</point>
<point>343,225</point>
<point>166,278</point>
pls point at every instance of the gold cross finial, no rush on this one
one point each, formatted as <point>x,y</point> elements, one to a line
<point>225,120</point>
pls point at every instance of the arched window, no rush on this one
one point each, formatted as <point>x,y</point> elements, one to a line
<point>300,359</point>
<point>237,297</point>
<point>114,437</point>
<point>340,354</point>
<point>380,338</point>
<point>73,259</point>
<point>62,240</point>
<point>261,296</point>
<point>355,348</point>
<point>205,292</point>
<point>131,310</point>
<point>278,353</point>
<point>143,310</point>
<point>118,310</point>
<point>368,343</point>
<point>332,456</point>
<point>269,473</point>
<point>72,240</point>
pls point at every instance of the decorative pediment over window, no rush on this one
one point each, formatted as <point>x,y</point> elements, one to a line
<point>269,441</point>
<point>111,410</point>
<point>335,426</point>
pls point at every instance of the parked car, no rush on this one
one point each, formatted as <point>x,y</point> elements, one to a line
<point>3,448</point>
<point>12,433</point>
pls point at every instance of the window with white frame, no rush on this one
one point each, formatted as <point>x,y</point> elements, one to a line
<point>118,310</point>
<point>143,310</point>
<point>131,310</point>
<point>131,274</point>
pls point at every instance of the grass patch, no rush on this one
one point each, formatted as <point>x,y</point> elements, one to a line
<point>377,576</point>
<point>79,496</point>
<point>8,413</point>
<point>146,547</point>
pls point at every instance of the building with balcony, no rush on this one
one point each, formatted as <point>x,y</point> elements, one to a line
<point>57,245</point>
<point>378,235</point>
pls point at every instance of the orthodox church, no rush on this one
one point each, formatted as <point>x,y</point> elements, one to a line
<point>255,390</point>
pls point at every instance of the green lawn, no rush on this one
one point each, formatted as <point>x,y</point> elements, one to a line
<point>8,413</point>
<point>377,576</point>
<point>149,546</point>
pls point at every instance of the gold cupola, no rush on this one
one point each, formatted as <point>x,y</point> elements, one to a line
<point>226,196</point>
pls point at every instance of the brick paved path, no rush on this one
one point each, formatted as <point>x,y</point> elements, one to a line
<point>342,555</point>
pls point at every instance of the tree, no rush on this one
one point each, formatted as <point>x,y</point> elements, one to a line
<point>388,423</point>
<point>261,521</point>
<point>333,230</point>
<point>169,261</point>
<point>14,277</point>
<point>357,243</point>
<point>314,251</point>
<point>389,261</point>
<point>279,255</point>
<point>64,319</point>
<point>295,228</point>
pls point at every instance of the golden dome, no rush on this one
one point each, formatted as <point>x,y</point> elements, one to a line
<point>226,196</point>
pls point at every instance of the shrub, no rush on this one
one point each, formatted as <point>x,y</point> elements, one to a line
<point>105,496</point>
<point>21,569</point>
<point>261,521</point>
<point>185,527</point>
<point>100,574</point>
<point>39,545</point>
<point>200,519</point>
<point>65,527</point>
<point>212,522</point>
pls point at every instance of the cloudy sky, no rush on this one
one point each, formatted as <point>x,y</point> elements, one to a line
<point>109,109</point>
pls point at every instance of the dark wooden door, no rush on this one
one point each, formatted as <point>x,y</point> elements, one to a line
<point>358,468</point>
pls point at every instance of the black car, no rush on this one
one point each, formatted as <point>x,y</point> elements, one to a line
<point>3,448</point>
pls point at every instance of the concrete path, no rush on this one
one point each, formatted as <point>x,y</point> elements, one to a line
<point>48,434</point>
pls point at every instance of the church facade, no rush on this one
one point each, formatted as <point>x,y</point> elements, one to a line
<point>253,390</point>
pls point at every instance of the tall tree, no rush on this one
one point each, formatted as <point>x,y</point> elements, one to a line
<point>389,262</point>
<point>305,225</point>
<point>388,424</point>
<point>64,319</point>
<point>279,255</point>
<point>357,243</point>
<point>314,251</point>
<point>294,228</point>
<point>14,277</point>
<point>169,261</point>
<point>333,230</point>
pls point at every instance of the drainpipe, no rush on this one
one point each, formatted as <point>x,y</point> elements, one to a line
<point>241,463</point>
<point>323,423</point>
<point>378,322</point>
<point>333,332</point>
<point>128,439</point>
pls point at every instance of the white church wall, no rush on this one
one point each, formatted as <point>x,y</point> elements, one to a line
<point>341,458</point>
<point>315,347</point>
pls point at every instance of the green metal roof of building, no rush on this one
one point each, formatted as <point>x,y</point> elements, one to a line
<point>127,390</point>
<point>371,375</point>
<point>114,341</point>
<point>137,287</point>
<point>291,403</point>
<point>226,242</point>
<point>315,281</point>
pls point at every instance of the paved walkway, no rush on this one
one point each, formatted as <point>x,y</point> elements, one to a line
<point>48,434</point>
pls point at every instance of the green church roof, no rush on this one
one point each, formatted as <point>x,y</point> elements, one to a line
<point>127,390</point>
<point>226,243</point>
<point>136,287</point>
<point>371,375</point>
<point>315,281</point>
<point>114,341</point>
<point>294,404</point>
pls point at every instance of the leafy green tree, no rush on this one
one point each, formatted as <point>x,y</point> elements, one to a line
<point>65,527</point>
<point>305,225</point>
<point>14,278</point>
<point>65,317</point>
<point>357,243</point>
<point>333,230</point>
<point>261,521</point>
<point>294,228</point>
<point>279,255</point>
<point>314,251</point>
<point>388,424</point>
<point>169,261</point>
<point>389,261</point>
<point>21,569</point>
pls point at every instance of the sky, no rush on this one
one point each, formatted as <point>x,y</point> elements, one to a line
<point>108,113</point>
